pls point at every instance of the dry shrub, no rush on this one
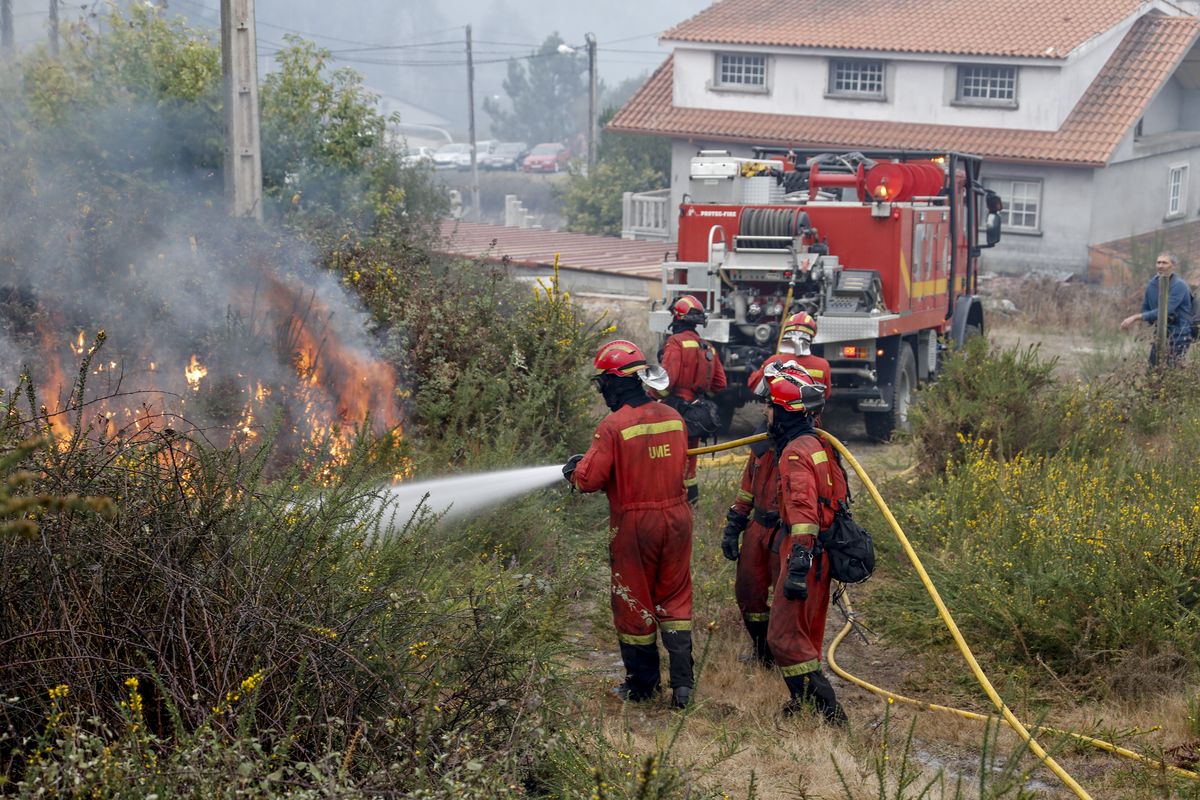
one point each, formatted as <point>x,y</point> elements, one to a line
<point>264,613</point>
<point>1048,304</point>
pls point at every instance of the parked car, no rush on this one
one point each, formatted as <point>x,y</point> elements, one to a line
<point>507,155</point>
<point>419,156</point>
<point>446,156</point>
<point>546,157</point>
<point>483,149</point>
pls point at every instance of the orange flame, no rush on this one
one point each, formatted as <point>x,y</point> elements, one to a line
<point>194,371</point>
<point>333,387</point>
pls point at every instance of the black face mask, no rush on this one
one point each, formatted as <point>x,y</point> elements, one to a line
<point>787,425</point>
<point>618,391</point>
<point>679,326</point>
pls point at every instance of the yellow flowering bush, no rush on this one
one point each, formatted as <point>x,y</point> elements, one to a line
<point>1077,563</point>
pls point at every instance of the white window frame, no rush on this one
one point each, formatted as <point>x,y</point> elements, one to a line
<point>1177,191</point>
<point>870,70</point>
<point>1018,202</point>
<point>731,70</point>
<point>993,85</point>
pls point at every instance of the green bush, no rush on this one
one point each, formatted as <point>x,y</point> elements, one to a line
<point>496,369</point>
<point>1086,566</point>
<point>1006,397</point>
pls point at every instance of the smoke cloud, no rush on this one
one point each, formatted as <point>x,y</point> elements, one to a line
<point>106,225</point>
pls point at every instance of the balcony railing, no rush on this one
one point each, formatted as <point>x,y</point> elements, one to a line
<point>644,215</point>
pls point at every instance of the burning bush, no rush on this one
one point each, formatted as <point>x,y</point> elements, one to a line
<point>237,608</point>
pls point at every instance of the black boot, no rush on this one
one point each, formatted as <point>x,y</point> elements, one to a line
<point>641,672</point>
<point>815,691</point>
<point>757,628</point>
<point>679,655</point>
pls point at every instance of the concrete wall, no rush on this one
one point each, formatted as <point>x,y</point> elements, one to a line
<point>1164,112</point>
<point>1131,197</point>
<point>1061,245</point>
<point>595,283</point>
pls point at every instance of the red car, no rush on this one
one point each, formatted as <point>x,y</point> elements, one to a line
<point>546,157</point>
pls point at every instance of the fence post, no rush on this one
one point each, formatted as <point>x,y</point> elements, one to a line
<point>1164,293</point>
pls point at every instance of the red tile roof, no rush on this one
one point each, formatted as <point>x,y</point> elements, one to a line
<point>1022,28</point>
<point>536,247</point>
<point>1143,61</point>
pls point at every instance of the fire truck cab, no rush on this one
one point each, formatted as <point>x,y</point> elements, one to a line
<point>880,247</point>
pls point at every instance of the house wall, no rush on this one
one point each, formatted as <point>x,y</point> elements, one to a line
<point>1130,197</point>
<point>917,90</point>
<point>1164,112</point>
<point>1189,112</point>
<point>1061,244</point>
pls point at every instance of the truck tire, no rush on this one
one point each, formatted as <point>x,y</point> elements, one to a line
<point>726,411</point>
<point>882,424</point>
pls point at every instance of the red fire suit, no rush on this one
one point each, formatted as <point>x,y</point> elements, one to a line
<point>758,559</point>
<point>637,458</point>
<point>694,368</point>
<point>797,628</point>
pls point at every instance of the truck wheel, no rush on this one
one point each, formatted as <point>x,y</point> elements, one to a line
<point>882,424</point>
<point>726,411</point>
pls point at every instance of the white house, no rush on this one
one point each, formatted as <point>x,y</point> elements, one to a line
<point>1087,112</point>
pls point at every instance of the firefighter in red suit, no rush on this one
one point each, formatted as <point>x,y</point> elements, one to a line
<point>754,519</point>
<point>799,330</point>
<point>754,516</point>
<point>809,492</point>
<point>638,457</point>
<point>693,367</point>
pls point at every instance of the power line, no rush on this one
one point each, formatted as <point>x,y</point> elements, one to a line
<point>287,29</point>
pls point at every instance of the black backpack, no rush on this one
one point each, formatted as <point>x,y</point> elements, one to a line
<point>850,548</point>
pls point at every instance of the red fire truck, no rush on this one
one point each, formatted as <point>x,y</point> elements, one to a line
<point>880,247</point>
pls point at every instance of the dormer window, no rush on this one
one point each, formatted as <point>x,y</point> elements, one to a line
<point>857,78</point>
<point>986,86</point>
<point>745,72</point>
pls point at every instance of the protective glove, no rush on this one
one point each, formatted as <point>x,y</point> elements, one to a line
<point>569,468</point>
<point>795,585</point>
<point>735,523</point>
<point>730,544</point>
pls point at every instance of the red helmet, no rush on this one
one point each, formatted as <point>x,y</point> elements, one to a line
<point>620,357</point>
<point>802,323</point>
<point>689,309</point>
<point>792,388</point>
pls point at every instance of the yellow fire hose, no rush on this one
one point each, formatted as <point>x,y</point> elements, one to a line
<point>893,697</point>
<point>980,677</point>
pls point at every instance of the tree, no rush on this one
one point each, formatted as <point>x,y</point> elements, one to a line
<point>624,163</point>
<point>547,91</point>
<point>326,161</point>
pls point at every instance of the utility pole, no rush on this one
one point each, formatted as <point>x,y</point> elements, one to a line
<point>53,30</point>
<point>593,138</point>
<point>243,148</point>
<point>6,29</point>
<point>471,125</point>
